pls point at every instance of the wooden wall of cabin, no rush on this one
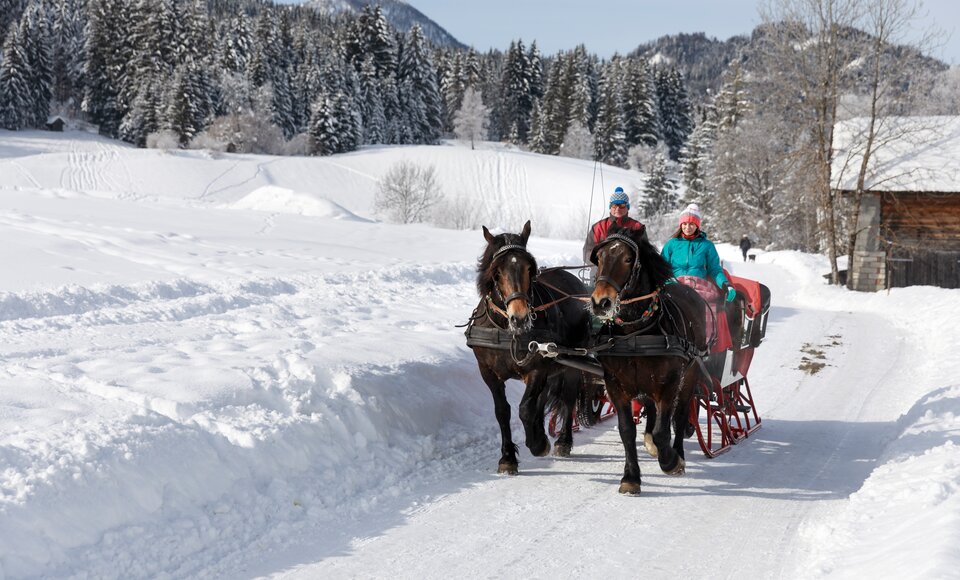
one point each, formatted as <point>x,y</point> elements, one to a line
<point>922,231</point>
<point>928,221</point>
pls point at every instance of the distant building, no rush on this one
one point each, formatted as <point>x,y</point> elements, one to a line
<point>55,123</point>
<point>910,211</point>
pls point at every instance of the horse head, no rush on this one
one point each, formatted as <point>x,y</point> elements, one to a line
<point>627,266</point>
<point>506,272</point>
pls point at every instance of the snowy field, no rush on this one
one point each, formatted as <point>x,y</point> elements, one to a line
<point>223,367</point>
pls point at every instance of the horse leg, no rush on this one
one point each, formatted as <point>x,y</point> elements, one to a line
<point>670,461</point>
<point>650,408</point>
<point>630,482</point>
<point>531,414</point>
<point>508,450</point>
<point>569,385</point>
<point>681,421</point>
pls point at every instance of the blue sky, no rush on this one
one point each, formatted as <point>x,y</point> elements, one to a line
<point>608,26</point>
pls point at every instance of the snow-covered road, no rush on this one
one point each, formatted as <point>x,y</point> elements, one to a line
<point>738,515</point>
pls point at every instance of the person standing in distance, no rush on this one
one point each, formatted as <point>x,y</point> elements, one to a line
<point>745,246</point>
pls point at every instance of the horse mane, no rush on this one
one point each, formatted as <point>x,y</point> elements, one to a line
<point>485,262</point>
<point>655,267</point>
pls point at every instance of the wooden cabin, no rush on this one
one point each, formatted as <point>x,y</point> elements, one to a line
<point>55,124</point>
<point>910,211</point>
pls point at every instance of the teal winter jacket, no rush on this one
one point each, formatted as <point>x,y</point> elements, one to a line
<point>697,257</point>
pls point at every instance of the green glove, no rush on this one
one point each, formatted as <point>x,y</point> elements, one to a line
<point>731,293</point>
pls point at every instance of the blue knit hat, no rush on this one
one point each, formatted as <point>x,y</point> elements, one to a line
<point>620,197</point>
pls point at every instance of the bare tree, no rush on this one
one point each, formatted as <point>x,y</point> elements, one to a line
<point>821,62</point>
<point>470,123</point>
<point>888,22</point>
<point>407,192</point>
<point>807,42</point>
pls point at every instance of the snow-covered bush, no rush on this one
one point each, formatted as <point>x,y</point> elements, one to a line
<point>577,142</point>
<point>462,212</point>
<point>242,133</point>
<point>164,140</point>
<point>297,145</point>
<point>206,141</point>
<point>407,192</point>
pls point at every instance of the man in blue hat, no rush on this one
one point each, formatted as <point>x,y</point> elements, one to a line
<point>619,207</point>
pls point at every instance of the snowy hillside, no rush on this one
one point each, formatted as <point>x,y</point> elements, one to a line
<point>224,367</point>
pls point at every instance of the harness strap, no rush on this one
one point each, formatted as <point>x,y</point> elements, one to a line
<point>581,297</point>
<point>639,298</point>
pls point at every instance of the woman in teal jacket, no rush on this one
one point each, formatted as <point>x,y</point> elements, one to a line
<point>696,263</point>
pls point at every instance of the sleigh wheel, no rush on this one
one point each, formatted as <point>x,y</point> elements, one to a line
<point>710,421</point>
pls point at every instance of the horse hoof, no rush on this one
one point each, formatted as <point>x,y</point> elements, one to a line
<point>649,445</point>
<point>679,469</point>
<point>630,487</point>
<point>542,452</point>
<point>507,469</point>
<point>562,450</point>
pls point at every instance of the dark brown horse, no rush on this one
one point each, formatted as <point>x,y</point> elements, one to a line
<point>653,335</point>
<point>519,304</point>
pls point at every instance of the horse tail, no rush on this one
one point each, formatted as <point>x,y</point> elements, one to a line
<point>563,387</point>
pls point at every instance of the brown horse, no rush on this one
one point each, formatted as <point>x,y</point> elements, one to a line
<point>519,304</point>
<point>649,346</point>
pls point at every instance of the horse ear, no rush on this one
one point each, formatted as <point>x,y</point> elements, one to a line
<point>525,233</point>
<point>486,234</point>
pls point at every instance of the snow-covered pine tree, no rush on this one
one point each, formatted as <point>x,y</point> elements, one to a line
<point>324,132</point>
<point>35,37</point>
<point>15,94</point>
<point>145,114</point>
<point>538,136</point>
<point>583,84</point>
<point>370,34</point>
<point>659,192</point>
<point>108,51</point>
<point>696,160</point>
<point>10,11</point>
<point>515,101</point>
<point>346,105</point>
<point>471,121</point>
<point>396,130</point>
<point>184,109</point>
<point>419,93</point>
<point>452,85</point>
<point>236,42</point>
<point>732,101</point>
<point>676,120</point>
<point>553,117</point>
<point>67,39</point>
<point>609,143</point>
<point>371,103</point>
<point>640,111</point>
<point>535,65</point>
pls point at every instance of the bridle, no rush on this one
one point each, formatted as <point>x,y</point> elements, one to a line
<point>515,295</point>
<point>631,280</point>
<point>635,270</point>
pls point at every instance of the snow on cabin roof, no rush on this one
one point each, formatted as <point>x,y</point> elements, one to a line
<point>919,154</point>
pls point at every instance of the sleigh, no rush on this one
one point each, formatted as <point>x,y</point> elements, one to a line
<point>722,412</point>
